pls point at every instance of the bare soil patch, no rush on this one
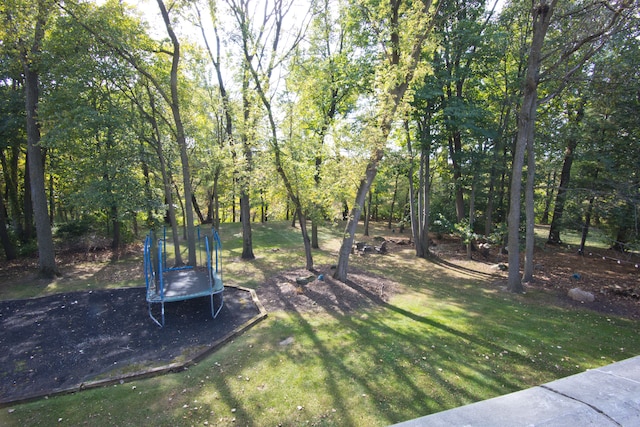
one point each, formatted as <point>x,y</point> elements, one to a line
<point>323,292</point>
<point>611,276</point>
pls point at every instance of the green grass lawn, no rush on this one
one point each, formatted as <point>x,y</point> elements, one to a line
<point>447,338</point>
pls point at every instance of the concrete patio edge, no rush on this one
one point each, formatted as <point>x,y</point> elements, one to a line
<point>606,396</point>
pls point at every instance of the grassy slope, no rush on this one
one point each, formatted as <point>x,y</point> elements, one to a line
<point>446,339</point>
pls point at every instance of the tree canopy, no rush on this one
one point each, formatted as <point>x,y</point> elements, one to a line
<point>443,116</point>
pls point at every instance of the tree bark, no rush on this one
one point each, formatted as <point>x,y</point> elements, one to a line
<point>306,241</point>
<point>527,275</point>
<point>419,201</point>
<point>367,214</point>
<point>379,132</point>
<point>7,245</point>
<point>551,179</point>
<point>526,124</point>
<point>27,229</point>
<point>393,200</point>
<point>455,151</point>
<point>245,219</point>
<point>565,178</point>
<point>46,252</point>
<point>166,181</point>
<point>350,230</point>
<point>180,136</point>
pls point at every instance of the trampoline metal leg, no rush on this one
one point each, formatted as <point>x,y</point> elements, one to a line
<point>214,312</point>
<point>153,318</point>
<point>163,314</point>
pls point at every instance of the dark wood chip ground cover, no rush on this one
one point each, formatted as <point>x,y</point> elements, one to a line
<point>62,341</point>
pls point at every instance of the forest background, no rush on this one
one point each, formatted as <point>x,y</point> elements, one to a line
<point>443,117</point>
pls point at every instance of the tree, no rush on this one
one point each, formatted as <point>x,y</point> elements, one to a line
<point>174,103</point>
<point>326,78</point>
<point>122,45</point>
<point>403,28</point>
<point>591,25</point>
<point>25,24</point>
<point>242,177</point>
<point>263,55</point>
<point>87,133</point>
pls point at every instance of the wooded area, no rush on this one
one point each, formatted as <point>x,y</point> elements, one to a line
<point>451,116</point>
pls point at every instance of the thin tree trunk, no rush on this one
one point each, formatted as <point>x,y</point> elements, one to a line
<point>419,203</point>
<point>587,224</point>
<point>350,230</point>
<point>455,150</point>
<point>307,242</point>
<point>166,181</point>
<point>425,194</point>
<point>551,179</point>
<point>527,275</point>
<point>196,208</point>
<point>315,244</point>
<point>28,209</point>
<point>561,195</point>
<point>393,200</point>
<point>472,217</point>
<point>245,219</point>
<point>367,215</point>
<point>7,245</point>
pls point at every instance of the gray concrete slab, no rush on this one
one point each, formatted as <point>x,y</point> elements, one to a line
<point>608,396</point>
<point>629,369</point>
<point>614,395</point>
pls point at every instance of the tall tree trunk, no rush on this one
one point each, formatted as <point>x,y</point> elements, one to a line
<point>46,252</point>
<point>52,204</point>
<point>245,219</point>
<point>526,124</point>
<point>350,230</point>
<point>180,136</point>
<point>425,195</point>
<point>166,181</point>
<point>587,224</point>
<point>306,241</point>
<point>5,240</point>
<point>414,201</point>
<point>28,208</point>
<point>367,214</point>
<point>551,179</point>
<point>565,178</point>
<point>419,201</point>
<point>527,274</point>
<point>472,217</point>
<point>379,132</point>
<point>245,204</point>
<point>455,151</point>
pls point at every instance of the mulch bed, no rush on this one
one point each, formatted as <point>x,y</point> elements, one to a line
<point>62,342</point>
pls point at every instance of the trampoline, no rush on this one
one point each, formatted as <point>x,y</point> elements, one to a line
<point>164,285</point>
